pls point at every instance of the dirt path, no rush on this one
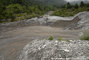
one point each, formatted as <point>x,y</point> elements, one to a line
<point>12,42</point>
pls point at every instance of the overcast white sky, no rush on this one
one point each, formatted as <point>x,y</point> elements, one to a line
<point>75,0</point>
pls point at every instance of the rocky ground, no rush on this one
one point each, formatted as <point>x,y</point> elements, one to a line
<point>15,35</point>
<point>56,50</point>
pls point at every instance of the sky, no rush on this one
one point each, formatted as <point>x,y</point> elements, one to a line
<point>75,0</point>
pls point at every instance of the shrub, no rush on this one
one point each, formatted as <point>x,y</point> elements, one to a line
<point>50,38</point>
<point>67,40</point>
<point>85,36</point>
<point>69,12</point>
<point>60,39</point>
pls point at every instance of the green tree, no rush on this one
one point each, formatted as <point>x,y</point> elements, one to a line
<point>13,9</point>
<point>82,4</point>
<point>68,5</point>
<point>76,6</point>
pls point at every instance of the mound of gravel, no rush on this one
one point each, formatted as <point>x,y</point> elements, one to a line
<point>82,23</point>
<point>56,50</point>
<point>84,20</point>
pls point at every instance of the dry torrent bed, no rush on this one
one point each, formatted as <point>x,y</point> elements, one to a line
<point>13,41</point>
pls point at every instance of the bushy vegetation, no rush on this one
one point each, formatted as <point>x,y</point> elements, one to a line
<point>50,38</point>
<point>61,39</point>
<point>85,36</point>
<point>71,10</point>
<point>13,10</point>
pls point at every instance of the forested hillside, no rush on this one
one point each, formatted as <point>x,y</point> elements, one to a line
<point>71,9</point>
<point>14,10</point>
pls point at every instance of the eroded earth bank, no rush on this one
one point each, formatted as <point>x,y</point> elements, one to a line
<point>15,35</point>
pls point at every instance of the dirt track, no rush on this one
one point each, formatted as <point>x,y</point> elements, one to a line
<point>12,42</point>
